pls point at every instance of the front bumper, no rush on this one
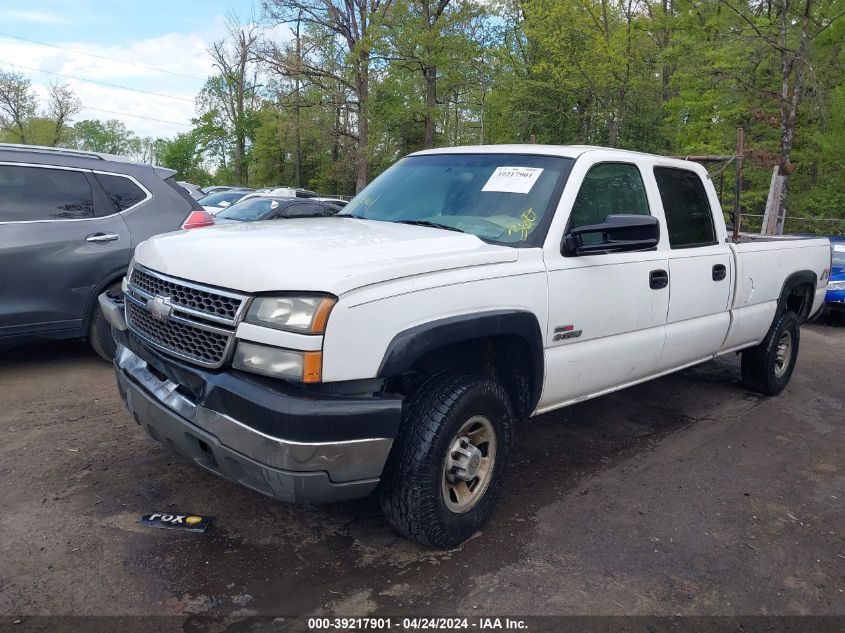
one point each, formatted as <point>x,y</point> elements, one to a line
<point>228,424</point>
<point>289,471</point>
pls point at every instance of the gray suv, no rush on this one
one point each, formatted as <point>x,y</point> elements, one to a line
<point>69,222</point>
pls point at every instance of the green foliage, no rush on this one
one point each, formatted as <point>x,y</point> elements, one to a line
<point>111,136</point>
<point>184,154</point>
<point>674,77</point>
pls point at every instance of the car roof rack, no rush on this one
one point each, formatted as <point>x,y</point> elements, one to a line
<point>43,149</point>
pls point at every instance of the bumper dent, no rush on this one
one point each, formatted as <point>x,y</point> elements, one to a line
<point>113,311</point>
<point>288,470</point>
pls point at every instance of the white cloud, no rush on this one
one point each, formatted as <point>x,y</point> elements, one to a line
<point>38,17</point>
<point>135,64</point>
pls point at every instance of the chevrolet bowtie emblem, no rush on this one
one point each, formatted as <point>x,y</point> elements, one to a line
<point>160,307</point>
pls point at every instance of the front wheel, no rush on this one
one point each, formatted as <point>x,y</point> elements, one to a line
<point>445,470</point>
<point>768,367</point>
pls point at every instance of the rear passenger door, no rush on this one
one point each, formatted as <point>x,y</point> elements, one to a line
<point>59,238</point>
<point>700,269</point>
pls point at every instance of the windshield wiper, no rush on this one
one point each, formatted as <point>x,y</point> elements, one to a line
<point>434,225</point>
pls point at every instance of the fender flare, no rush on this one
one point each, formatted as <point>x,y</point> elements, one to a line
<point>408,346</point>
<point>801,277</point>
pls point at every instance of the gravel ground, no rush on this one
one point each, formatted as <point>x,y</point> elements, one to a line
<point>686,495</point>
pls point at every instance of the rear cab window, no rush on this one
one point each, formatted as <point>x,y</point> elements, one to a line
<point>44,193</point>
<point>689,219</point>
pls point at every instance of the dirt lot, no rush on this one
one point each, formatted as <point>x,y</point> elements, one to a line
<point>687,495</point>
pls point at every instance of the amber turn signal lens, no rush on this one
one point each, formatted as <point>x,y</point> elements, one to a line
<point>312,366</point>
<point>321,316</point>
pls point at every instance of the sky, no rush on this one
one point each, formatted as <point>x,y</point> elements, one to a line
<point>122,42</point>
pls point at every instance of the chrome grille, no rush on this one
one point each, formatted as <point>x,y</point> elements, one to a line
<point>203,301</point>
<point>191,343</point>
<point>193,322</point>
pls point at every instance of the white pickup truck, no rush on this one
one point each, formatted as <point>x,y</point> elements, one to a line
<point>393,347</point>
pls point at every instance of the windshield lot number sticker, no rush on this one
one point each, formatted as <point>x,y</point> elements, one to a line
<point>513,179</point>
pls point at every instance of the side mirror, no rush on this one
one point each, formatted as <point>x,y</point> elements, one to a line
<point>619,233</point>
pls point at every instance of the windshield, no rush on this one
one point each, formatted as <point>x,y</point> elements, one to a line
<point>503,198</point>
<point>215,199</point>
<point>250,210</point>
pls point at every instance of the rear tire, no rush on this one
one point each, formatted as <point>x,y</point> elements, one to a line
<point>768,367</point>
<point>99,330</point>
<point>445,470</point>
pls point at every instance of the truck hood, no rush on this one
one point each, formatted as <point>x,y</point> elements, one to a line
<point>333,254</point>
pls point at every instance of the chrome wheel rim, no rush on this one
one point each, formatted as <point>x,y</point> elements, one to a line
<point>783,355</point>
<point>468,467</point>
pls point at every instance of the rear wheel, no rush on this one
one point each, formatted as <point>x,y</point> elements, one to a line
<point>768,367</point>
<point>99,329</point>
<point>445,470</point>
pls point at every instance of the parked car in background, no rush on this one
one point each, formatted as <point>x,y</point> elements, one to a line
<point>835,297</point>
<point>193,190</point>
<point>266,207</point>
<point>69,222</point>
<point>217,189</point>
<point>216,202</point>
<point>337,202</point>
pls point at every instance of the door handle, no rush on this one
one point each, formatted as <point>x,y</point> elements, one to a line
<point>658,279</point>
<point>719,272</point>
<point>102,238</point>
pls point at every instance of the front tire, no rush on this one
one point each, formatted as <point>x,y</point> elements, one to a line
<point>445,470</point>
<point>768,367</point>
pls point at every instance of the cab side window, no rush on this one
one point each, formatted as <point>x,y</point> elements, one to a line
<point>38,193</point>
<point>608,189</point>
<point>689,219</point>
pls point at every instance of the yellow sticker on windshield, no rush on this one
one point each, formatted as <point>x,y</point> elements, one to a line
<point>525,223</point>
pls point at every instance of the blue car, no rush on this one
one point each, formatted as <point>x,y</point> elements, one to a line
<point>835,297</point>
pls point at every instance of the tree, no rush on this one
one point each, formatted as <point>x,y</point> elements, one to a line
<point>62,106</point>
<point>599,52</point>
<point>352,25</point>
<point>784,34</point>
<point>184,154</point>
<point>423,36</point>
<point>232,95</point>
<point>18,105</point>
<point>110,137</point>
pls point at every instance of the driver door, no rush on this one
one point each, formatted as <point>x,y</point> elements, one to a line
<point>607,312</point>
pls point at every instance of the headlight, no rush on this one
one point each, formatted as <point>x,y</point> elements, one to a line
<point>304,314</point>
<point>836,285</point>
<point>278,363</point>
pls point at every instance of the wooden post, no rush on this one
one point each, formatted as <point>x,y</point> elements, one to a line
<point>740,151</point>
<point>770,216</point>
